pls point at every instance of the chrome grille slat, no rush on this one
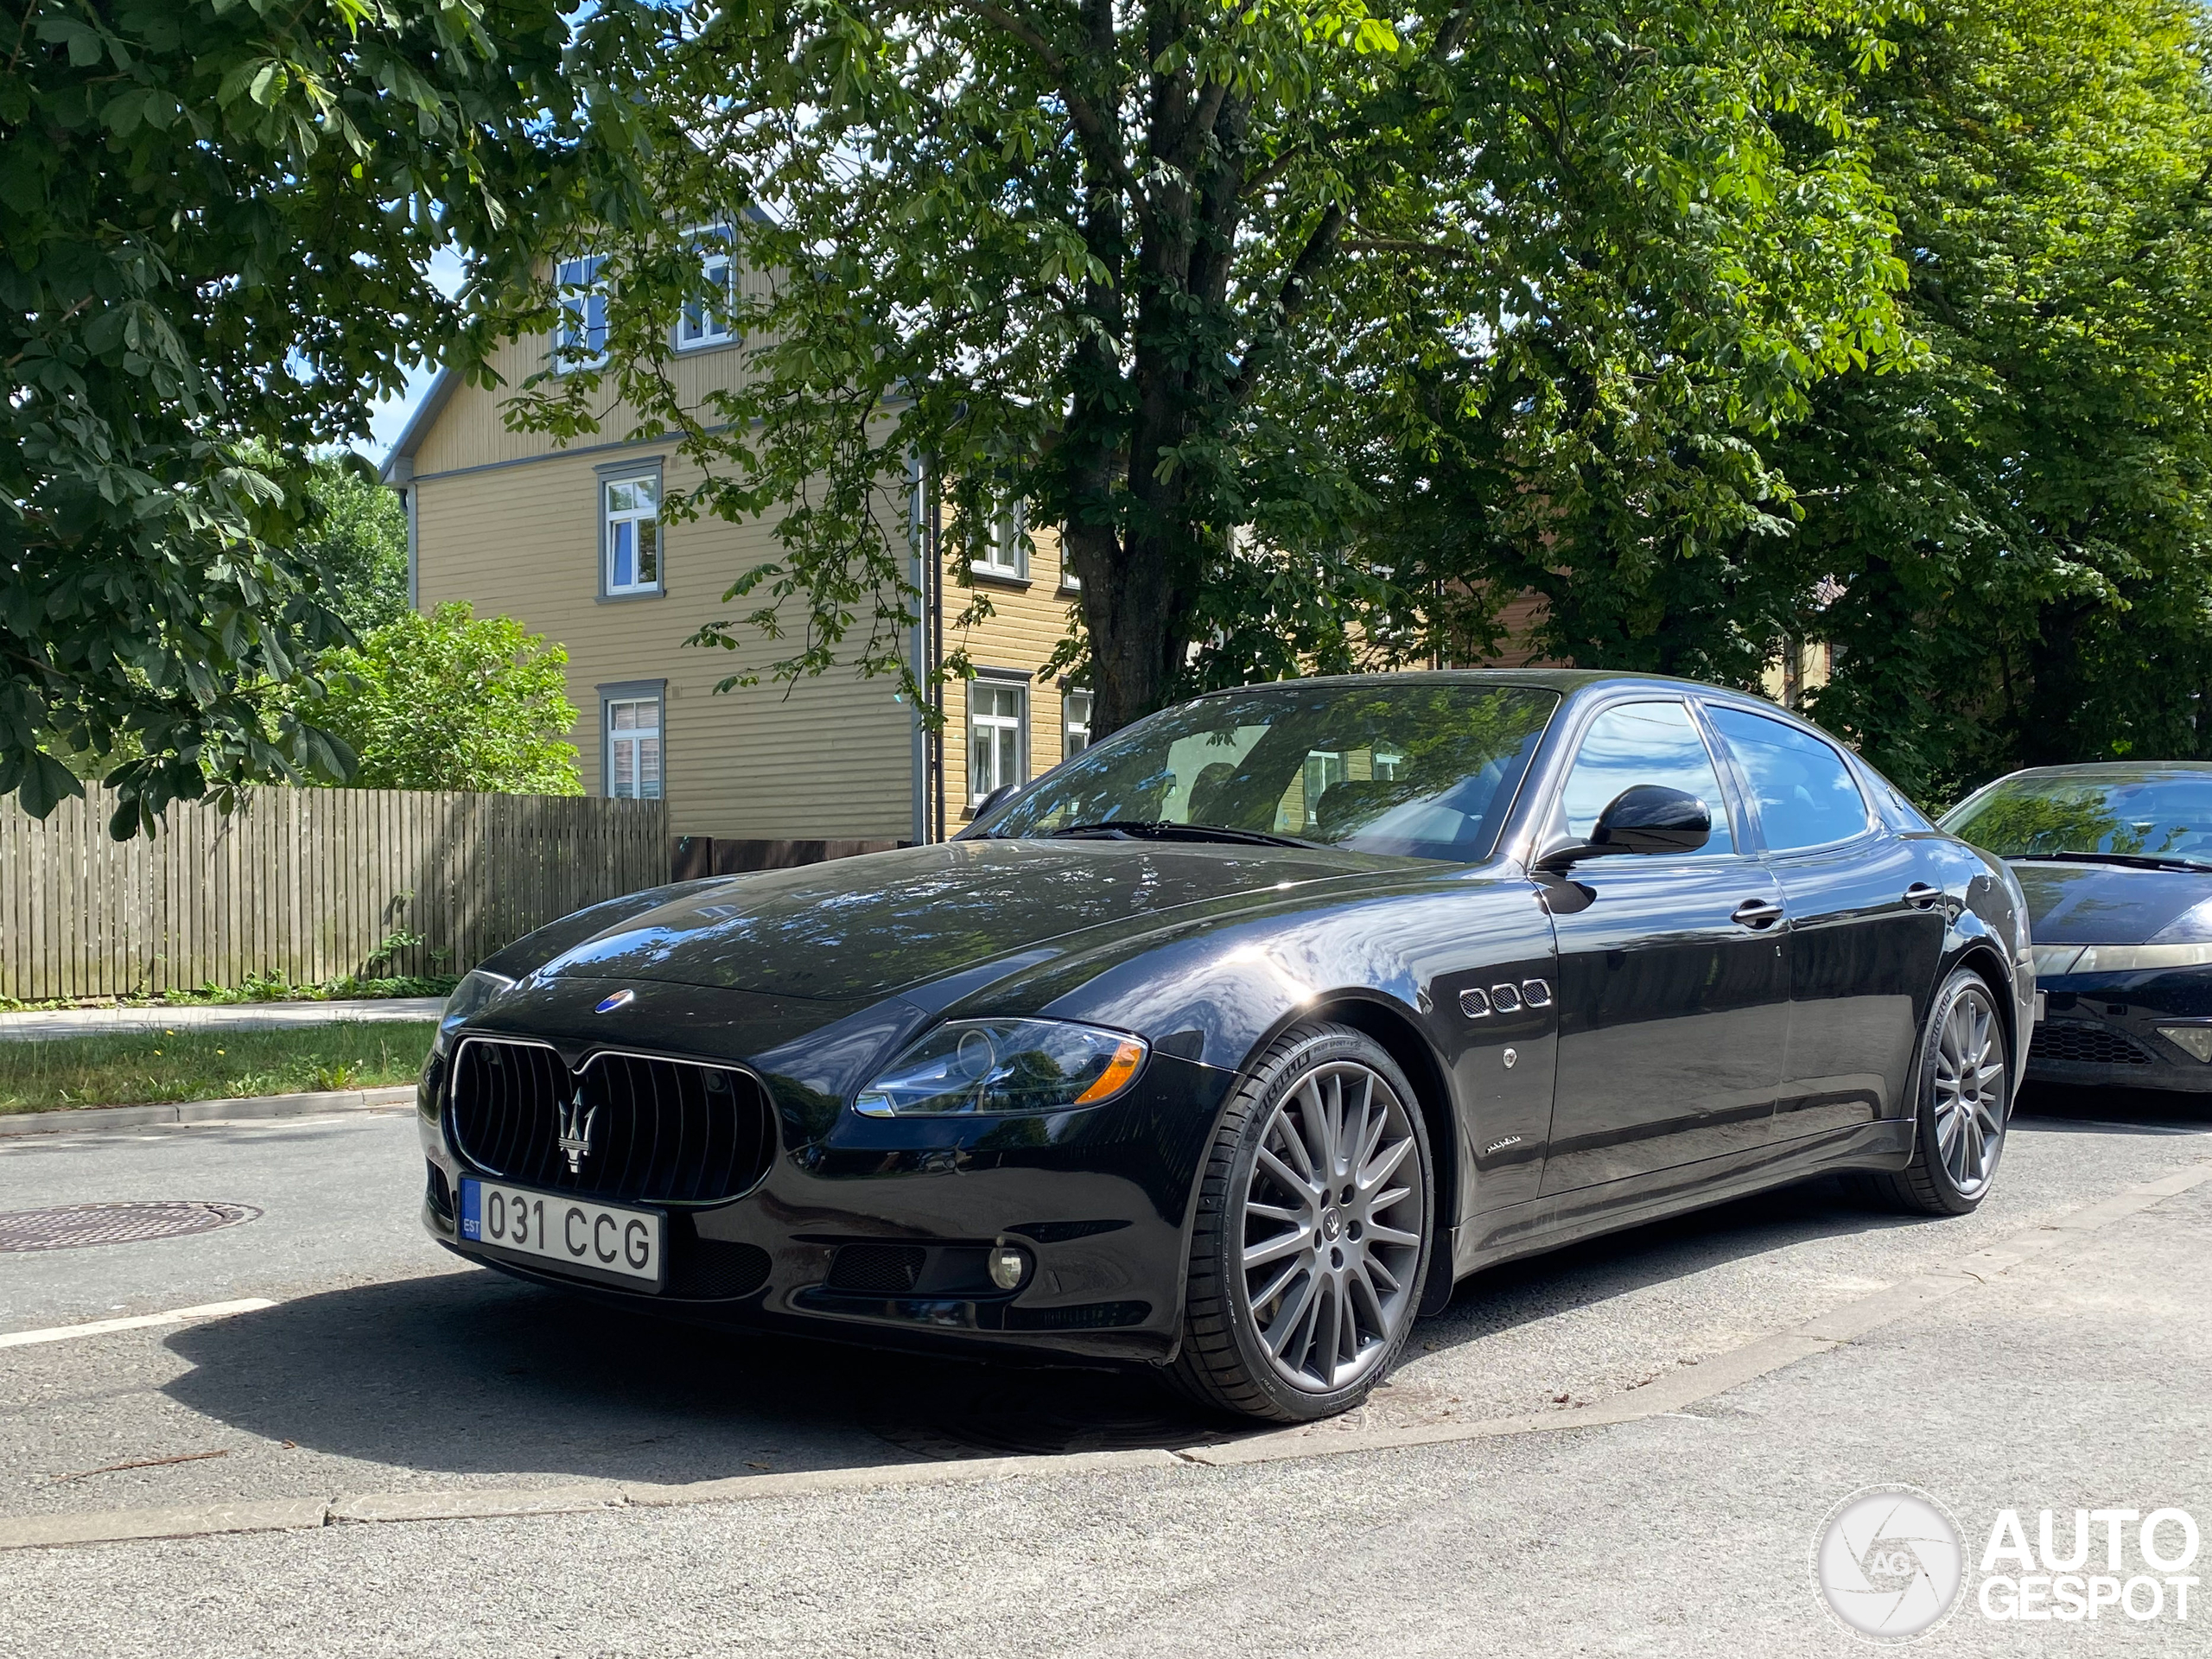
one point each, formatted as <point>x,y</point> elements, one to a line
<point>656,1137</point>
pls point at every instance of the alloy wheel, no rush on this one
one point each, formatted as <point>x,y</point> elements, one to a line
<point>1331,1223</point>
<point>1969,1091</point>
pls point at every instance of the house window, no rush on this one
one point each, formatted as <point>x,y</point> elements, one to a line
<point>708,318</point>
<point>580,336</point>
<point>633,757</point>
<point>997,737</point>
<point>1075,723</point>
<point>1006,553</point>
<point>630,508</point>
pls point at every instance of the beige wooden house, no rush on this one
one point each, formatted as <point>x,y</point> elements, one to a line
<point>570,542</point>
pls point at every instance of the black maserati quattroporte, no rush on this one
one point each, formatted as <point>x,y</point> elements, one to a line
<point>1232,1043</point>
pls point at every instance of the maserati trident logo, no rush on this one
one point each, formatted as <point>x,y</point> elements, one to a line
<point>575,1132</point>
<point>618,1000</point>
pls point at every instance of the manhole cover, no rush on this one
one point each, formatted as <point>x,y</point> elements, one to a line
<point>73,1226</point>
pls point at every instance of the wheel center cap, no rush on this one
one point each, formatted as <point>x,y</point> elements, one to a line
<point>1332,1224</point>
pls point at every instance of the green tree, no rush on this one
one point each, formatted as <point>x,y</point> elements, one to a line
<point>448,700</point>
<point>356,537</point>
<point>2022,519</point>
<point>218,217</point>
<point>1180,277</point>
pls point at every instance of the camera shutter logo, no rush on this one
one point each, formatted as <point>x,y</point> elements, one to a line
<point>1889,1562</point>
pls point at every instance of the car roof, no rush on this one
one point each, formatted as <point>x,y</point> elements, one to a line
<point>2113,772</point>
<point>1564,681</point>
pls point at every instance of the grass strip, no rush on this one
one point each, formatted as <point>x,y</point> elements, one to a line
<point>155,1067</point>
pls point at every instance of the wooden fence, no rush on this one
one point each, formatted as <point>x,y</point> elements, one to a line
<point>305,884</point>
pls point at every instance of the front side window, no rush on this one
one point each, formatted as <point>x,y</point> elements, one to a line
<point>580,336</point>
<point>1399,767</point>
<point>709,316</point>
<point>996,714</point>
<point>632,510</point>
<point>633,770</point>
<point>1642,743</point>
<point>1805,793</point>
<point>1075,723</point>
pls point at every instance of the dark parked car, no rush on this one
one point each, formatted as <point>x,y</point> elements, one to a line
<point>2116,862</point>
<point>1232,1043</point>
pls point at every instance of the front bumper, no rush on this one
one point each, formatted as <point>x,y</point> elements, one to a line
<point>877,1230</point>
<point>2104,1032</point>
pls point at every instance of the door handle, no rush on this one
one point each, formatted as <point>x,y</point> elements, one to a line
<point>1755,913</point>
<point>1921,896</point>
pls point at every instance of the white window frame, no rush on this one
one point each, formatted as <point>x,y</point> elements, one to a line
<point>1018,687</point>
<point>611,478</point>
<point>580,335</point>
<point>1006,555</point>
<point>700,325</point>
<point>634,694</point>
<point>1070,725</point>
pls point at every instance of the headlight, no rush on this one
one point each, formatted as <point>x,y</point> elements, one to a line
<point>2052,960</point>
<point>1002,1067</point>
<point>476,989</point>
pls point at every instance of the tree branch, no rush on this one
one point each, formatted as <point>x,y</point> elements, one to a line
<point>1101,145</point>
<point>1289,301</point>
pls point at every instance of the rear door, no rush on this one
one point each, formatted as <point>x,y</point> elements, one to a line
<point>1867,925</point>
<point>1674,971</point>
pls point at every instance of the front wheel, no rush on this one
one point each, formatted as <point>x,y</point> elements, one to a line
<point>1964,1103</point>
<point>1312,1234</point>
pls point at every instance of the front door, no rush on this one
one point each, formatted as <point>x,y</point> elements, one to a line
<point>1674,972</point>
<point>1865,928</point>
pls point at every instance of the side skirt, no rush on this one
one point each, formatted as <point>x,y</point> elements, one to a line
<point>1560,1218</point>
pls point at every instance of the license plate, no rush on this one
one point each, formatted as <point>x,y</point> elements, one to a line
<point>597,1241</point>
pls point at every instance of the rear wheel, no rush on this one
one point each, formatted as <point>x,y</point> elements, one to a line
<point>1964,1104</point>
<point>1312,1234</point>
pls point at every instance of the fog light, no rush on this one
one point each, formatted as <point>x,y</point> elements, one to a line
<point>2197,1040</point>
<point>1009,1266</point>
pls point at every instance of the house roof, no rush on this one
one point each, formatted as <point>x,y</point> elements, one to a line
<point>417,428</point>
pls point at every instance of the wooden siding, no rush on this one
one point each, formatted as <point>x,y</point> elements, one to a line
<point>472,432</point>
<point>1027,620</point>
<point>303,884</point>
<point>829,757</point>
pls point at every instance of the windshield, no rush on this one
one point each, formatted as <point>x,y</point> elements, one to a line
<point>2164,816</point>
<point>1402,767</point>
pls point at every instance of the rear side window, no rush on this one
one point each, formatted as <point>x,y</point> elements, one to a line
<point>1805,793</point>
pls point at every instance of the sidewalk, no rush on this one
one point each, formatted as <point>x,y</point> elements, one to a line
<point>233,1016</point>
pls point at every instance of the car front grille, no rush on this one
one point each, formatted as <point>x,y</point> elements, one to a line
<point>660,1131</point>
<point>2084,1045</point>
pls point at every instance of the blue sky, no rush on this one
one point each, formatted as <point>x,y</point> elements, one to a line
<point>391,415</point>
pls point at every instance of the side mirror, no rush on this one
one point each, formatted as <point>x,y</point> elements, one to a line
<point>997,799</point>
<point>1643,818</point>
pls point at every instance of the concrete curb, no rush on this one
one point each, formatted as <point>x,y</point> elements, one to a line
<point>1670,1392</point>
<point>208,1111</point>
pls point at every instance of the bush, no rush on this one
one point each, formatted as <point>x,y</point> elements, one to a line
<point>450,701</point>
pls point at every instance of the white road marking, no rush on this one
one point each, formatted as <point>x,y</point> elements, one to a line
<point>141,1322</point>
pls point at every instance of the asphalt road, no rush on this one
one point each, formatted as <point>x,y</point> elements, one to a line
<point>2076,1380</point>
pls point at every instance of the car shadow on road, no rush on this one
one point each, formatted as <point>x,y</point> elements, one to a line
<point>472,1373</point>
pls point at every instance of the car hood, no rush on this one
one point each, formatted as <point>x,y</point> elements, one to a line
<point>865,927</point>
<point>2108,904</point>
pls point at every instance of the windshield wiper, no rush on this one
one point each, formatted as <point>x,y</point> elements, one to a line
<point>2131,860</point>
<point>1165,829</point>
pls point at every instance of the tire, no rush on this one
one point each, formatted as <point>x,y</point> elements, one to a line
<point>1301,1295</point>
<point>1963,1105</point>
